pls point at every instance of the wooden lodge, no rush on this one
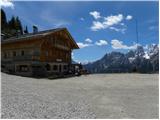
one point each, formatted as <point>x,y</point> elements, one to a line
<point>41,53</point>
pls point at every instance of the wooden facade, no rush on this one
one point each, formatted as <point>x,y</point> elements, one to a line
<point>42,53</point>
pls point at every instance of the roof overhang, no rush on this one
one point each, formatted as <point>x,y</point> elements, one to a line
<point>41,34</point>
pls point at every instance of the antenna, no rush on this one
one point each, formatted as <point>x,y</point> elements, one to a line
<point>137,33</point>
<point>137,42</point>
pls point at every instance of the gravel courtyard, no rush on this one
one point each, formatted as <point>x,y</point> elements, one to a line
<point>88,96</point>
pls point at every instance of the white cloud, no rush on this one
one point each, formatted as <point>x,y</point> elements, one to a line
<point>88,40</point>
<point>82,19</point>
<point>6,3</point>
<point>83,45</point>
<point>87,43</point>
<point>111,22</point>
<point>122,24</point>
<point>129,17</point>
<point>116,44</point>
<point>97,26</point>
<point>101,42</point>
<point>107,22</point>
<point>122,30</point>
<point>95,14</point>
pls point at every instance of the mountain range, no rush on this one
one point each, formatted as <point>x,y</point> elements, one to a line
<point>138,60</point>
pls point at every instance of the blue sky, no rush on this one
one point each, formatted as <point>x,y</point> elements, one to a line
<point>97,27</point>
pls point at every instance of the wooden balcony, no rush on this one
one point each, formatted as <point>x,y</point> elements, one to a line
<point>21,58</point>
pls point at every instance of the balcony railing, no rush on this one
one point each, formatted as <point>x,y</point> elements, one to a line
<point>22,58</point>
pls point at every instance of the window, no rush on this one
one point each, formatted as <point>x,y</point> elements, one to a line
<point>52,40</point>
<point>36,52</point>
<point>5,55</point>
<point>14,53</point>
<point>60,42</point>
<point>23,68</point>
<point>8,54</point>
<point>65,67</point>
<point>48,67</point>
<point>47,53</point>
<point>22,52</point>
<point>67,56</point>
<point>2,66</point>
<point>55,67</point>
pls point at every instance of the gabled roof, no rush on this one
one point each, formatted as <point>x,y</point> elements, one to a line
<point>38,34</point>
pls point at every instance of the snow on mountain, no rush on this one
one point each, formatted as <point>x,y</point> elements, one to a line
<point>153,49</point>
<point>146,55</point>
<point>147,61</point>
<point>131,59</point>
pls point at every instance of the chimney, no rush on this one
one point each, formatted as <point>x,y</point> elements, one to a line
<point>35,29</point>
<point>18,33</point>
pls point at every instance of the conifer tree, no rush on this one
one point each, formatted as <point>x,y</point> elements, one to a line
<point>12,26</point>
<point>18,26</point>
<point>3,20</point>
<point>26,30</point>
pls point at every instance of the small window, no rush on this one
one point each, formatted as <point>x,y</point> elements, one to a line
<point>23,68</point>
<point>22,53</point>
<point>14,53</point>
<point>48,67</point>
<point>46,53</point>
<point>36,52</point>
<point>2,66</point>
<point>55,67</point>
<point>66,55</point>
<point>8,54</point>
<point>5,55</point>
<point>65,67</point>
